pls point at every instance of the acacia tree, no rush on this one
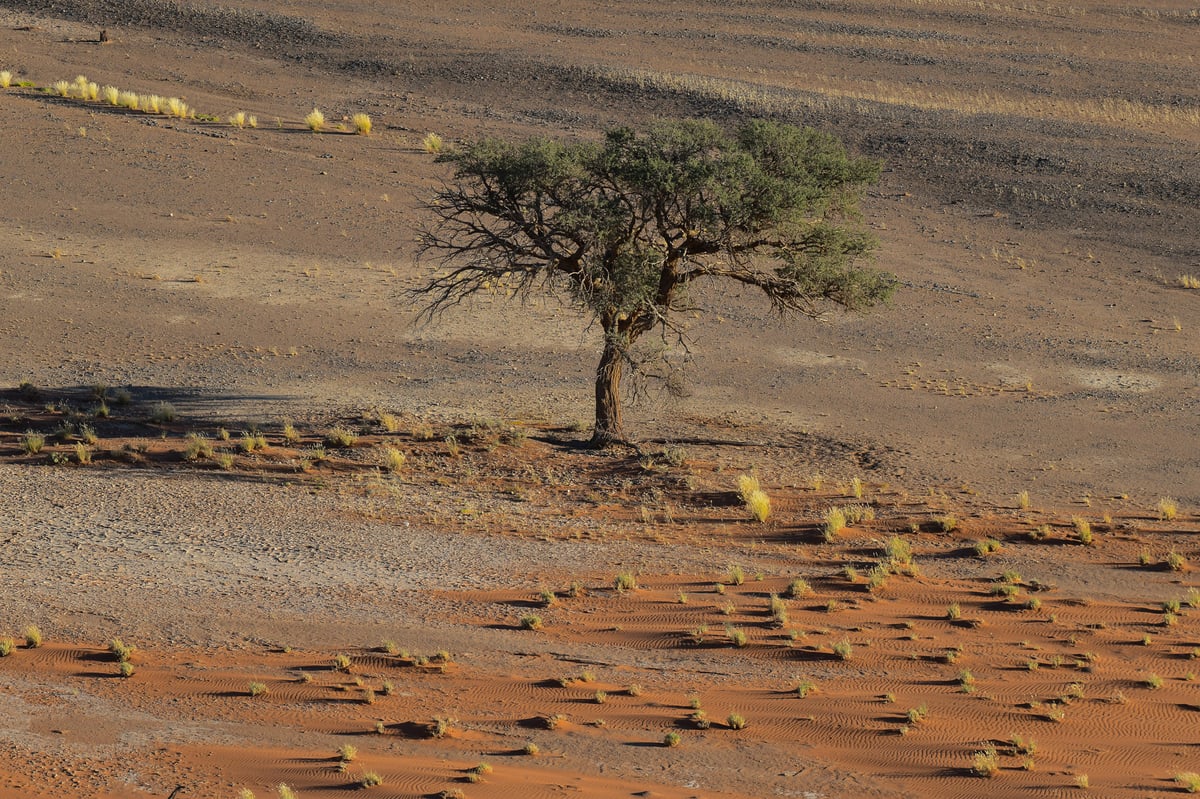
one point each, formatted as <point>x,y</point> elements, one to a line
<point>622,228</point>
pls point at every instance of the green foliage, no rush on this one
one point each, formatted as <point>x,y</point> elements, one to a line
<point>622,228</point>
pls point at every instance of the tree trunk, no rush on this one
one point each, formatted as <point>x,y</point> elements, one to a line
<point>608,429</point>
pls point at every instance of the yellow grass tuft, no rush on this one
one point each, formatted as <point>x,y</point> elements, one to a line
<point>393,459</point>
<point>362,124</point>
<point>252,121</point>
<point>62,88</point>
<point>128,100</point>
<point>1189,781</point>
<point>238,120</point>
<point>747,485</point>
<point>112,95</point>
<point>315,120</point>
<point>5,79</point>
<point>1189,281</point>
<point>432,143</point>
<point>1168,509</point>
<point>835,522</point>
<point>759,505</point>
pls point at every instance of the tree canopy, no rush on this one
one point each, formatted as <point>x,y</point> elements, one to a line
<point>623,227</point>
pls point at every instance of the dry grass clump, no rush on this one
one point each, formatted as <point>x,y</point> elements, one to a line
<point>162,413</point>
<point>798,588</point>
<point>5,79</point>
<point>121,651</point>
<point>7,645</point>
<point>393,459</point>
<point>1168,509</point>
<point>315,120</point>
<point>432,143</point>
<point>1189,281</point>
<point>32,442</point>
<point>340,436</point>
<point>33,636</point>
<point>985,763</point>
<point>1083,530</point>
<point>1189,781</point>
<point>362,124</point>
<point>834,523</point>
<point>759,505</point>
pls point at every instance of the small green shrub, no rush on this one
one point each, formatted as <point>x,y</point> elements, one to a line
<point>370,780</point>
<point>672,739</point>
<point>531,622</point>
<point>125,669</point>
<point>843,649</point>
<point>798,588</point>
<point>257,689</point>
<point>625,581</point>
<point>736,721</point>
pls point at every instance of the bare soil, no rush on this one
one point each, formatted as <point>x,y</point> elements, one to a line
<point>1039,204</point>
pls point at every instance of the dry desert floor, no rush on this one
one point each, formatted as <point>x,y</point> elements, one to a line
<point>273,530</point>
